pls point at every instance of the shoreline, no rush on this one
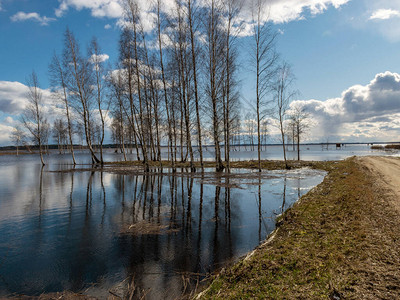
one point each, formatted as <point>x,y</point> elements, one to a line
<point>337,242</point>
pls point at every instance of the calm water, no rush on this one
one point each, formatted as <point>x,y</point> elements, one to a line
<point>93,232</point>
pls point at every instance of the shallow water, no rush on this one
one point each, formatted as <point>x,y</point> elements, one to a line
<point>93,232</point>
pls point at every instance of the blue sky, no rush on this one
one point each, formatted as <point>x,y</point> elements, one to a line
<point>336,48</point>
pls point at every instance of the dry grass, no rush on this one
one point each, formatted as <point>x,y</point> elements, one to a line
<point>340,241</point>
<point>244,164</point>
<point>147,228</point>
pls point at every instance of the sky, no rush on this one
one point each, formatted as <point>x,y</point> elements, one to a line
<point>344,54</point>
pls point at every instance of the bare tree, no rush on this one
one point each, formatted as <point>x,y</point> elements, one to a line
<point>116,94</point>
<point>215,67</point>
<point>132,15</point>
<point>58,79</point>
<point>60,133</point>
<point>264,57</point>
<point>231,9</point>
<point>164,83</point>
<point>300,119</point>
<point>283,94</point>
<point>126,58</point>
<point>33,117</point>
<point>192,27</point>
<point>18,137</point>
<point>250,125</point>
<point>97,60</point>
<point>80,85</point>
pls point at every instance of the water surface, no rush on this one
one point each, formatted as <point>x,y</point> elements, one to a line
<point>93,232</point>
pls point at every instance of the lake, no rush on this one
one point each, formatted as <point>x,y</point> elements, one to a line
<point>96,232</point>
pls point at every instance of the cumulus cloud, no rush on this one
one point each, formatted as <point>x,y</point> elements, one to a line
<point>98,8</point>
<point>283,11</point>
<point>384,14</point>
<point>22,16</point>
<point>361,111</point>
<point>278,11</point>
<point>107,26</point>
<point>12,97</point>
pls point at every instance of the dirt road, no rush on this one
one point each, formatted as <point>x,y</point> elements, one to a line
<point>386,172</point>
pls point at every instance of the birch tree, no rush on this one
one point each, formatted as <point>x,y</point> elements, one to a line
<point>96,58</point>
<point>58,81</point>
<point>18,137</point>
<point>299,117</point>
<point>264,58</point>
<point>33,117</point>
<point>283,94</point>
<point>80,86</point>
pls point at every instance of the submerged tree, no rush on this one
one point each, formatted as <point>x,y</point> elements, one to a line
<point>59,80</point>
<point>215,73</point>
<point>96,58</point>
<point>33,117</point>
<point>80,86</point>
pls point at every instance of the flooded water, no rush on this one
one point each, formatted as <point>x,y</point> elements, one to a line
<point>96,232</point>
<point>271,152</point>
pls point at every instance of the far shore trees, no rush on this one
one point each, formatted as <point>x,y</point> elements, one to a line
<point>60,134</point>
<point>300,123</point>
<point>33,117</point>
<point>18,137</point>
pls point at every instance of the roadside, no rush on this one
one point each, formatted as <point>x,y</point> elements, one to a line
<point>340,241</point>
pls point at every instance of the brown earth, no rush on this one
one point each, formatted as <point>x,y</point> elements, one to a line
<point>386,172</point>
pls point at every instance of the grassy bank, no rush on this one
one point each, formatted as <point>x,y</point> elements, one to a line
<point>340,241</point>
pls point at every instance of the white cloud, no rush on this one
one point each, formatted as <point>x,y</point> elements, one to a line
<point>381,16</point>
<point>98,8</point>
<point>5,132</point>
<point>283,11</point>
<point>362,111</point>
<point>384,14</point>
<point>107,26</point>
<point>22,16</point>
<point>98,58</point>
<point>278,11</point>
<point>12,97</point>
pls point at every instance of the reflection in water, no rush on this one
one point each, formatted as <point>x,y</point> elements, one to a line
<point>156,234</point>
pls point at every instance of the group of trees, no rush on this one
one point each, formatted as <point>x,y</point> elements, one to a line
<point>176,85</point>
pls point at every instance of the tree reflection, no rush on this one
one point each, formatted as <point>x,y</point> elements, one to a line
<point>184,225</point>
